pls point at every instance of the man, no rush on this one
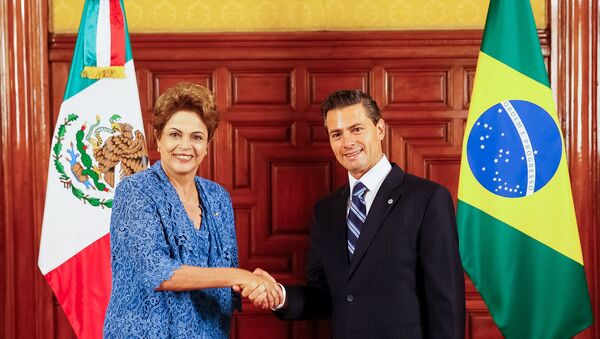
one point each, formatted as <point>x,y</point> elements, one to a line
<point>383,260</point>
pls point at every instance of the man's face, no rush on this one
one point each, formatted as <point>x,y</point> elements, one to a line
<point>354,138</point>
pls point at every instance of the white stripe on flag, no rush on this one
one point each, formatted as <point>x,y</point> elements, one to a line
<point>103,35</point>
<point>69,224</point>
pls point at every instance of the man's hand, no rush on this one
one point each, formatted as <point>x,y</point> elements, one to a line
<point>262,289</point>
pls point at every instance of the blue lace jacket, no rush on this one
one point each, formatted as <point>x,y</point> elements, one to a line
<point>151,236</point>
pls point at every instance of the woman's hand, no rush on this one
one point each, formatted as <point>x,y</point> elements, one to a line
<point>260,288</point>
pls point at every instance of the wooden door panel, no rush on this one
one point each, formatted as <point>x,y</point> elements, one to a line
<point>324,81</point>
<point>261,89</point>
<point>422,88</point>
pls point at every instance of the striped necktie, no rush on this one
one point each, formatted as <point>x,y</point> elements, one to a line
<point>356,215</point>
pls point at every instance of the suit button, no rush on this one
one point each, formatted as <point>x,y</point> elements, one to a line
<point>349,298</point>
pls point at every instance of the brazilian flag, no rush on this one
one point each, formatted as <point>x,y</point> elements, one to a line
<point>518,232</point>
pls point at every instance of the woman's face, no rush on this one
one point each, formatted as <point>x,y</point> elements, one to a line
<point>183,143</point>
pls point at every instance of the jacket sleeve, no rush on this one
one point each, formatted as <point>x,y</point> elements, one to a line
<point>138,237</point>
<point>236,298</point>
<point>313,300</point>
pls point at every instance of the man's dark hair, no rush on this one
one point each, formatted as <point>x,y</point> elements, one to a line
<point>349,97</point>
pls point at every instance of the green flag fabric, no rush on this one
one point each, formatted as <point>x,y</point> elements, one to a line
<point>518,233</point>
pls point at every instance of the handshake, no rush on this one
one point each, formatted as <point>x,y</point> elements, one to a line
<point>261,289</point>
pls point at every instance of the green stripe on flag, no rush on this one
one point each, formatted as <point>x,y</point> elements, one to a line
<point>531,290</point>
<point>76,83</point>
<point>510,36</point>
<point>89,22</point>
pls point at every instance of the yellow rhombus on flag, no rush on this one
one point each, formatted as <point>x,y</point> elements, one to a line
<point>518,233</point>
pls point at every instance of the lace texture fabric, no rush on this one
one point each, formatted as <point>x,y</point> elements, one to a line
<point>151,236</point>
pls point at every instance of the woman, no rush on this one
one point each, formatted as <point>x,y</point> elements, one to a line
<point>173,247</point>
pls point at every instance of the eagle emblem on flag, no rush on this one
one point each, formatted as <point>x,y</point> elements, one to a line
<point>87,157</point>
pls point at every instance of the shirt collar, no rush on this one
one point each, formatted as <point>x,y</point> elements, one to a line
<point>374,177</point>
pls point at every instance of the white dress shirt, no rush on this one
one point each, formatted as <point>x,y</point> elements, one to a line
<point>372,180</point>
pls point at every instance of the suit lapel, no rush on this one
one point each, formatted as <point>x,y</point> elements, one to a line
<point>386,198</point>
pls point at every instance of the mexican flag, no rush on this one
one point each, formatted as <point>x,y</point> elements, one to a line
<point>98,139</point>
<point>519,240</point>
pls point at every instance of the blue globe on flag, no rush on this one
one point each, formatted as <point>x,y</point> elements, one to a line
<point>514,148</point>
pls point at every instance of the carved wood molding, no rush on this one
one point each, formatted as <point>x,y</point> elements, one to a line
<point>299,45</point>
<point>24,150</point>
<point>575,75</point>
<point>6,326</point>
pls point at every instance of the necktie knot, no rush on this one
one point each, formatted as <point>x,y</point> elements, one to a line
<point>359,189</point>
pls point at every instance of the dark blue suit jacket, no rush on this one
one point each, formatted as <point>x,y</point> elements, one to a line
<point>405,279</point>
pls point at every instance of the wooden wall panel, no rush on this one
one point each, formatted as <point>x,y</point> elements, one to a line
<point>323,82</point>
<point>271,142</point>
<point>163,81</point>
<point>418,88</point>
<point>244,137</point>
<point>469,74</point>
<point>293,183</point>
<point>481,325</point>
<point>257,326</point>
<point>268,239</point>
<point>260,89</point>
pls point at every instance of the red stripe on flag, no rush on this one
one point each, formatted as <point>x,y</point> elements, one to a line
<point>82,286</point>
<point>117,34</point>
